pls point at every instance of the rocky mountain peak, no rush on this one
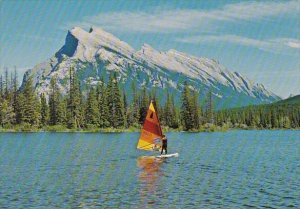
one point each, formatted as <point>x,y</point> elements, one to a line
<point>96,53</point>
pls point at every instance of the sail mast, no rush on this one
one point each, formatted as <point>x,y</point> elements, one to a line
<point>154,104</point>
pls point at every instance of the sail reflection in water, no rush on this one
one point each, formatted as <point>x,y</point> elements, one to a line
<point>149,178</point>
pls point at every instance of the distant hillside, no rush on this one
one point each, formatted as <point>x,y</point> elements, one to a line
<point>291,100</point>
<point>282,114</point>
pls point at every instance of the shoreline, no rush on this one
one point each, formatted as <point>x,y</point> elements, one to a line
<point>130,130</point>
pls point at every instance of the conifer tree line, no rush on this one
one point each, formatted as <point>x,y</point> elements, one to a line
<point>104,106</point>
<point>261,116</point>
<point>107,106</point>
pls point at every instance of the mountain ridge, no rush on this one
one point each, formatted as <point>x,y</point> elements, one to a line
<point>96,53</point>
<point>290,101</point>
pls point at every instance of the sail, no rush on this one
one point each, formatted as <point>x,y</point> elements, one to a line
<point>151,133</point>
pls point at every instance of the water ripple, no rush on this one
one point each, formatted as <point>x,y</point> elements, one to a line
<point>219,170</point>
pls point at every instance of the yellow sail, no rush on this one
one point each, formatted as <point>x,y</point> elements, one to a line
<point>151,133</point>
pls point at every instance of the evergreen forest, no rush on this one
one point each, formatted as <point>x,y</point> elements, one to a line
<point>107,108</point>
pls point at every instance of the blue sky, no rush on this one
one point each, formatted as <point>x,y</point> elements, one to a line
<point>259,39</point>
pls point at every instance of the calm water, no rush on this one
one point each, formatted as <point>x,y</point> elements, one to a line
<point>237,169</point>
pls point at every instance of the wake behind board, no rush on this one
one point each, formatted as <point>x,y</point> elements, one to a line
<point>168,155</point>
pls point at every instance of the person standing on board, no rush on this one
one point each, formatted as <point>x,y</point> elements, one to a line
<point>164,144</point>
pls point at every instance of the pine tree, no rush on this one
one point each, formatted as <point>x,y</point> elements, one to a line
<point>134,107</point>
<point>20,101</point>
<point>1,100</point>
<point>195,110</point>
<point>6,93</point>
<point>102,104</point>
<point>167,111</point>
<point>144,103</point>
<point>209,108</point>
<point>1,112</point>
<point>110,101</point>
<point>7,114</point>
<point>63,111</point>
<point>125,107</point>
<point>119,104</point>
<point>186,109</point>
<point>54,103</point>
<point>74,114</point>
<point>15,92</point>
<point>174,112</point>
<point>31,104</point>
<point>1,87</point>
<point>170,114</point>
<point>114,101</point>
<point>92,110</point>
<point>44,110</point>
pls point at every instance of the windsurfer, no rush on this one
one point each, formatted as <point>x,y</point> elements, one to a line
<point>164,144</point>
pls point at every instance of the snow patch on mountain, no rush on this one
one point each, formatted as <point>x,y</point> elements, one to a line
<point>206,70</point>
<point>92,44</point>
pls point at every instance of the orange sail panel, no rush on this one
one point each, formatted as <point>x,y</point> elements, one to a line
<point>151,133</point>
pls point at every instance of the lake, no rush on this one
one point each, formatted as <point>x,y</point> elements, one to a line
<point>235,169</point>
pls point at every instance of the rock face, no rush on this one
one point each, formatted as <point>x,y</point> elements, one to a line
<point>96,53</point>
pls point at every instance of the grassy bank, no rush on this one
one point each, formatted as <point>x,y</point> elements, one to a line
<point>62,129</point>
<point>66,130</point>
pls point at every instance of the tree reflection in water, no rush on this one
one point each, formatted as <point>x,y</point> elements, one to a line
<point>149,176</point>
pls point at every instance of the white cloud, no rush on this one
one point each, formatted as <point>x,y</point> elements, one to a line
<point>293,44</point>
<point>258,10</point>
<point>222,38</point>
<point>273,45</point>
<point>180,20</point>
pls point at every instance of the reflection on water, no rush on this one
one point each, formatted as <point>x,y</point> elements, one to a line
<point>149,176</point>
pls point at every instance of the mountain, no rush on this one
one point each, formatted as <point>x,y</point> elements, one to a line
<point>294,100</point>
<point>96,53</point>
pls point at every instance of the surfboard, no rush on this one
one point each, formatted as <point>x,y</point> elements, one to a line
<point>168,155</point>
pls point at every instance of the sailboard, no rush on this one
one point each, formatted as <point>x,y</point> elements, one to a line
<point>168,155</point>
<point>151,133</point>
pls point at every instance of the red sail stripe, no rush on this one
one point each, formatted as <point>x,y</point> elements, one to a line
<point>152,127</point>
